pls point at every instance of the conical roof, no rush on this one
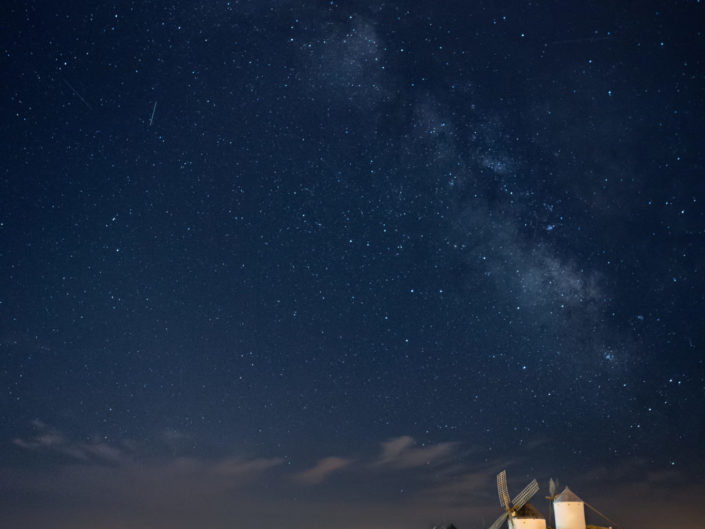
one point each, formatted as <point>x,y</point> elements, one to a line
<point>529,511</point>
<point>567,495</point>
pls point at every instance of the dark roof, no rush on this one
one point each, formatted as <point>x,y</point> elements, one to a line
<point>529,511</point>
<point>567,495</point>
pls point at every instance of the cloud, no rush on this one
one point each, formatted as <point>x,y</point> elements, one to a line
<point>398,453</point>
<point>239,467</point>
<point>403,452</point>
<point>322,469</point>
<point>393,448</point>
<point>51,440</point>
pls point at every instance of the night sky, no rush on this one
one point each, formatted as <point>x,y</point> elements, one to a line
<point>297,263</point>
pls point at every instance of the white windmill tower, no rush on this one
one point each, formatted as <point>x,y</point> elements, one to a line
<point>518,513</point>
<point>569,510</point>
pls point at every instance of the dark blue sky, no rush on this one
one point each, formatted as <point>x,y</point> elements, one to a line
<point>364,256</point>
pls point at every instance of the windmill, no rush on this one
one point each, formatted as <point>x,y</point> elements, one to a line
<point>510,508</point>
<point>552,486</point>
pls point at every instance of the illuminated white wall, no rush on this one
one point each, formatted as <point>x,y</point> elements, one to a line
<point>569,514</point>
<point>527,523</point>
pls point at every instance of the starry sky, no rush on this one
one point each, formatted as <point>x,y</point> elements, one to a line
<point>286,263</point>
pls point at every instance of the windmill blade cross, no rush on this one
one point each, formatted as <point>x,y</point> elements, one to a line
<point>526,494</point>
<point>499,521</point>
<point>502,491</point>
<point>551,488</point>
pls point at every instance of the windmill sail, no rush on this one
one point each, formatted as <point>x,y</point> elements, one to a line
<point>511,508</point>
<point>525,495</point>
